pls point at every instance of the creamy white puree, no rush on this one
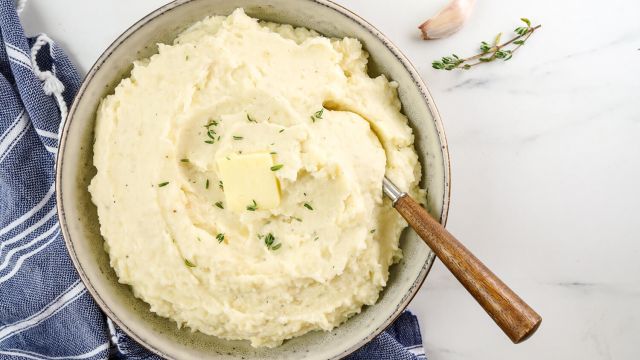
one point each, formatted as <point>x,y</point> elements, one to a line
<point>160,220</point>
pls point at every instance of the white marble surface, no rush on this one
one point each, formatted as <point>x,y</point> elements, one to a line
<point>546,163</point>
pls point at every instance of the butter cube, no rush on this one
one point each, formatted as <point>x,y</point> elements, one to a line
<point>248,178</point>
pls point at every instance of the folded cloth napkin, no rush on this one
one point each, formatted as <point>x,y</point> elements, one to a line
<point>45,310</point>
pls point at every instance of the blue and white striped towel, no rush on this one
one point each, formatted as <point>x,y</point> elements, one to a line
<point>45,310</point>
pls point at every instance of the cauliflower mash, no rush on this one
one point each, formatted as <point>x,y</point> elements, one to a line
<point>239,182</point>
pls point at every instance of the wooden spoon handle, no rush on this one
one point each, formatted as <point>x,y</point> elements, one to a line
<point>508,310</point>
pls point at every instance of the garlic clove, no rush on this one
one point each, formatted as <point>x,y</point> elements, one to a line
<point>449,20</point>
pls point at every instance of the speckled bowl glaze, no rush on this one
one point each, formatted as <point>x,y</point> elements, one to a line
<point>78,215</point>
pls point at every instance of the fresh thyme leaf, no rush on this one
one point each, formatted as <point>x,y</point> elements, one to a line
<point>221,185</point>
<point>184,160</point>
<point>372,231</point>
<point>485,47</point>
<point>281,130</point>
<point>489,52</point>
<point>313,119</point>
<point>253,206</point>
<point>250,119</point>
<point>308,206</point>
<point>163,184</point>
<point>219,204</point>
<point>521,30</point>
<point>273,153</point>
<point>235,137</point>
<point>269,239</point>
<point>318,114</point>
<point>276,167</point>
<point>296,218</point>
<point>189,263</point>
<point>220,237</point>
<point>316,238</point>
<point>206,184</point>
<point>210,132</point>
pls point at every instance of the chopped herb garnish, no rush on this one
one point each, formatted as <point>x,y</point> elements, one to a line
<point>316,238</point>
<point>184,160</point>
<point>269,239</point>
<point>253,206</point>
<point>250,119</point>
<point>186,57</point>
<point>273,153</point>
<point>220,237</point>
<point>206,184</point>
<point>235,137</point>
<point>308,206</point>
<point>163,184</point>
<point>281,130</point>
<point>210,132</point>
<point>276,167</point>
<point>220,185</point>
<point>313,119</point>
<point>219,204</point>
<point>318,114</point>
<point>372,231</point>
<point>296,218</point>
<point>189,263</point>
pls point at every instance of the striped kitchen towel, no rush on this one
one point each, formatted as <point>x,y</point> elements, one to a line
<point>45,310</point>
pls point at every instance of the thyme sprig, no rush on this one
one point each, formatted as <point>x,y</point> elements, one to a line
<point>489,52</point>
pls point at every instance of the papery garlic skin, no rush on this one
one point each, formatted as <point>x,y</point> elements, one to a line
<point>448,21</point>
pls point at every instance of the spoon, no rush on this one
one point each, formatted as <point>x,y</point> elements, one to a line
<point>517,319</point>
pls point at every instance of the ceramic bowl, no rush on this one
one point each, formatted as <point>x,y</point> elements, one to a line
<point>78,216</point>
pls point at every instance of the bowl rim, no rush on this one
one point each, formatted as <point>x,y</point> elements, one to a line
<point>444,148</point>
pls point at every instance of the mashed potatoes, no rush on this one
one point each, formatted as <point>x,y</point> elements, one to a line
<point>297,116</point>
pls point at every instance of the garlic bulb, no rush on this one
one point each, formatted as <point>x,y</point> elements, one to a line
<point>449,20</point>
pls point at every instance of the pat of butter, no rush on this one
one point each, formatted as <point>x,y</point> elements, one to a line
<point>248,178</point>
